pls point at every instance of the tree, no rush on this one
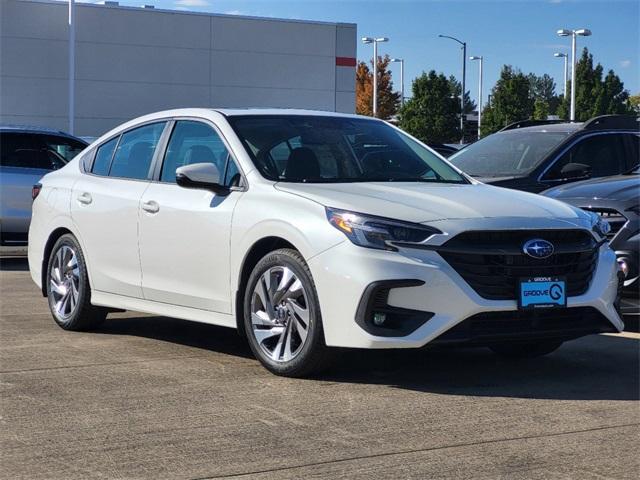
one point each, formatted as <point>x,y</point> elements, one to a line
<point>634,102</point>
<point>511,101</point>
<point>595,96</point>
<point>540,109</point>
<point>456,88</point>
<point>541,87</point>
<point>432,113</point>
<point>544,88</point>
<point>388,100</point>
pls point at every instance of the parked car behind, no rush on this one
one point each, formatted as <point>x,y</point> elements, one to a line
<point>534,156</point>
<point>617,201</point>
<point>26,154</point>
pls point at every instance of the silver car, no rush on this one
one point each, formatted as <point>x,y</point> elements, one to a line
<point>26,154</point>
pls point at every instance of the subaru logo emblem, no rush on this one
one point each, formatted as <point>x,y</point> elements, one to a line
<point>538,248</point>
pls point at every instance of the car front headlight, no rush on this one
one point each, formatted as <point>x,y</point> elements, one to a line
<point>598,225</point>
<point>377,232</point>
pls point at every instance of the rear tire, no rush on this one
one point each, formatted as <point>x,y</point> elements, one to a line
<point>282,316</point>
<point>526,350</point>
<point>68,290</point>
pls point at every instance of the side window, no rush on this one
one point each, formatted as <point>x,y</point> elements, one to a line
<point>193,142</point>
<point>133,156</point>
<point>103,157</point>
<point>27,150</point>
<point>603,153</point>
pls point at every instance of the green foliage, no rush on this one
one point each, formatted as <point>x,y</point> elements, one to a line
<point>595,96</point>
<point>432,114</point>
<point>511,101</point>
<point>540,109</point>
<point>634,103</point>
<point>456,88</point>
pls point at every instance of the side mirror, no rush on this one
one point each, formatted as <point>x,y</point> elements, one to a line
<point>575,170</point>
<point>205,176</point>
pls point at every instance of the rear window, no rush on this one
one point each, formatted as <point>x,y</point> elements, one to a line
<point>36,150</point>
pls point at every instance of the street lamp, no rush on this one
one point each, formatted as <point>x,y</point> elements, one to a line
<point>401,62</point>
<point>566,58</point>
<point>464,74</point>
<point>480,58</point>
<point>583,32</point>
<point>72,66</point>
<point>375,42</point>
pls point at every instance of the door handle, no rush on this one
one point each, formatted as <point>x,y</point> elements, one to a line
<point>151,206</point>
<point>85,198</point>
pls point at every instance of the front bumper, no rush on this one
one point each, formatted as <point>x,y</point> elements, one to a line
<point>343,273</point>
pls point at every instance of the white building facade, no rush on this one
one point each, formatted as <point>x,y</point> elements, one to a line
<point>132,61</point>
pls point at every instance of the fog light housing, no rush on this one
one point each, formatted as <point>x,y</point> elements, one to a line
<point>378,319</point>
<point>624,266</point>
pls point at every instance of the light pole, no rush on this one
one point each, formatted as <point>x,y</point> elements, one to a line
<point>583,32</point>
<point>375,42</point>
<point>464,74</point>
<point>401,62</point>
<point>480,59</point>
<point>566,58</point>
<point>72,65</point>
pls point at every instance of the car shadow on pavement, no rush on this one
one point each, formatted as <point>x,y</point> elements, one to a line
<point>599,367</point>
<point>177,331</point>
<point>602,367</point>
<point>14,264</point>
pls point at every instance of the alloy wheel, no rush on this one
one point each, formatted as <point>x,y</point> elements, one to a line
<point>280,314</point>
<point>65,281</point>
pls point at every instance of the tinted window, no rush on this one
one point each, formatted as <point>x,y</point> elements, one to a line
<point>194,142</point>
<point>605,154</point>
<point>133,156</point>
<point>36,150</point>
<point>511,153</point>
<point>297,148</point>
<point>634,156</point>
<point>104,153</point>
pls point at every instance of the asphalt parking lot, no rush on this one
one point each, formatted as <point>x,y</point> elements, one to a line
<point>155,397</point>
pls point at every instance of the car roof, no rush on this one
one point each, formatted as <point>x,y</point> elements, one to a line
<point>550,127</point>
<point>4,127</point>
<point>233,112</point>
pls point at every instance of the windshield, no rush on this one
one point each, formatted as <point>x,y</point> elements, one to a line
<point>504,154</point>
<point>323,149</point>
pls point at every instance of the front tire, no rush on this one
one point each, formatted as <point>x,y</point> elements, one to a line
<point>526,350</point>
<point>282,316</point>
<point>68,289</point>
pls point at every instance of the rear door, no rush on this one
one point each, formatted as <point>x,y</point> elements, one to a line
<point>185,233</point>
<point>105,206</point>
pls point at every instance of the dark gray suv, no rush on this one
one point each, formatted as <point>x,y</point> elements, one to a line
<point>536,155</point>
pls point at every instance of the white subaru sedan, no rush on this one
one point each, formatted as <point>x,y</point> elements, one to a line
<point>308,230</point>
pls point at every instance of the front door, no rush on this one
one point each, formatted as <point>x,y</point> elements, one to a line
<point>184,233</point>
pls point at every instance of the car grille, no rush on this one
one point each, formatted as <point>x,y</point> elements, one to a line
<point>614,218</point>
<point>562,323</point>
<point>492,262</point>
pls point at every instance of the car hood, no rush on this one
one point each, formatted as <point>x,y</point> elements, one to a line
<point>618,188</point>
<point>420,202</point>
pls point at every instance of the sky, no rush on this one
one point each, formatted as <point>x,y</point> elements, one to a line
<point>516,32</point>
